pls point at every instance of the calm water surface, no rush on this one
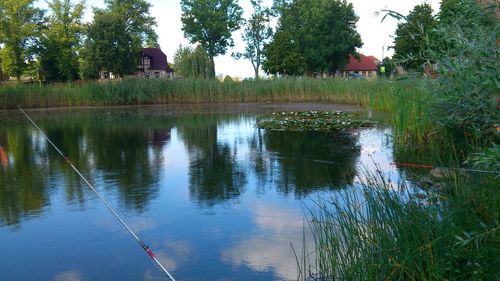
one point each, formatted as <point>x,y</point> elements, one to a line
<point>215,197</point>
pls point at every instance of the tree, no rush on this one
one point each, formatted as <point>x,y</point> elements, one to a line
<point>452,10</point>
<point>414,37</point>
<point>321,33</point>
<point>389,67</point>
<point>61,41</point>
<point>136,20</point>
<point>469,13</point>
<point>192,63</point>
<point>20,24</point>
<point>283,56</point>
<point>256,34</point>
<point>210,23</point>
<point>116,36</point>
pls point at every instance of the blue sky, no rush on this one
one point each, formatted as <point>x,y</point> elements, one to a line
<point>375,35</point>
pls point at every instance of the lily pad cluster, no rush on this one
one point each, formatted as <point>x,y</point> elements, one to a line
<point>312,121</point>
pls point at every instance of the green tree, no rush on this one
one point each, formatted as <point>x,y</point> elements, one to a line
<point>283,56</point>
<point>193,63</point>
<point>414,37</point>
<point>116,36</point>
<point>210,23</point>
<point>389,67</point>
<point>108,47</point>
<point>469,13</point>
<point>256,34</point>
<point>61,41</point>
<point>322,31</point>
<point>20,24</point>
<point>136,20</point>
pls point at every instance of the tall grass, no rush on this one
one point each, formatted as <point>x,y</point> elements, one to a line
<point>401,98</point>
<point>376,232</point>
<point>158,91</point>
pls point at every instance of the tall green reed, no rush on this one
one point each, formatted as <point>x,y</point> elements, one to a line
<point>154,91</point>
<point>378,232</point>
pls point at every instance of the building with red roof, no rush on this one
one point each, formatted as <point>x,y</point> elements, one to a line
<point>365,66</point>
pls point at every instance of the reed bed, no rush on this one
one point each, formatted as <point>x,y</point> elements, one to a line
<point>378,232</point>
<point>401,98</point>
<point>159,91</point>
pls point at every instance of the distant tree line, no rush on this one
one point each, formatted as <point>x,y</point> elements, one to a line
<point>309,37</point>
<point>312,36</point>
<point>316,37</point>
<point>55,44</point>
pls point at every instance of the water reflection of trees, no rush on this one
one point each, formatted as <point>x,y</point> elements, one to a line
<point>303,162</point>
<point>214,174</point>
<point>125,153</point>
<point>24,189</point>
<point>129,162</point>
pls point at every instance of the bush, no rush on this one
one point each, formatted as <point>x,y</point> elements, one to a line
<point>468,86</point>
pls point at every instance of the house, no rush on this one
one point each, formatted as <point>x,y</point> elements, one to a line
<point>365,66</point>
<point>153,63</point>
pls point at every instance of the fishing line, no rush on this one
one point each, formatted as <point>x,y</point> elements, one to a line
<point>445,168</point>
<point>143,245</point>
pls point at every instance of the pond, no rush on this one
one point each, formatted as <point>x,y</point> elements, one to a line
<point>213,196</point>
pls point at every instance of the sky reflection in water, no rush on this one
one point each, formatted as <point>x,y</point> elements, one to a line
<point>215,198</point>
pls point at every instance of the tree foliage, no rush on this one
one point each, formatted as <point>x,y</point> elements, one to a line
<point>20,23</point>
<point>321,35</point>
<point>116,36</point>
<point>192,63</point>
<point>389,67</point>
<point>256,34</point>
<point>61,41</point>
<point>414,36</point>
<point>210,23</point>
<point>283,56</point>
<point>467,62</point>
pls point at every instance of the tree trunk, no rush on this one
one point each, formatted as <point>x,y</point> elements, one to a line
<point>212,67</point>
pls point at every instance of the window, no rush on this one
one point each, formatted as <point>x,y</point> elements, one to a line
<point>145,63</point>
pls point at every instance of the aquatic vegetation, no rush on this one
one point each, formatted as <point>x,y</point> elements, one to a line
<point>131,91</point>
<point>379,232</point>
<point>313,121</point>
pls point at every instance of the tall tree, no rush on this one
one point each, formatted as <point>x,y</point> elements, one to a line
<point>20,24</point>
<point>136,19</point>
<point>256,34</point>
<point>61,41</point>
<point>193,63</point>
<point>210,23</point>
<point>323,32</point>
<point>116,36</point>
<point>414,37</point>
<point>283,56</point>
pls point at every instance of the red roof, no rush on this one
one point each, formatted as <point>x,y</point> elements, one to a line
<point>365,63</point>
<point>159,59</point>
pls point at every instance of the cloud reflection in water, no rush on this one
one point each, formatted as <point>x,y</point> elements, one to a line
<point>269,249</point>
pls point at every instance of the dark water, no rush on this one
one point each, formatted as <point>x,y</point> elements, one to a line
<point>214,197</point>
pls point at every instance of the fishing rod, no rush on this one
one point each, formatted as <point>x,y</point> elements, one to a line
<point>143,245</point>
